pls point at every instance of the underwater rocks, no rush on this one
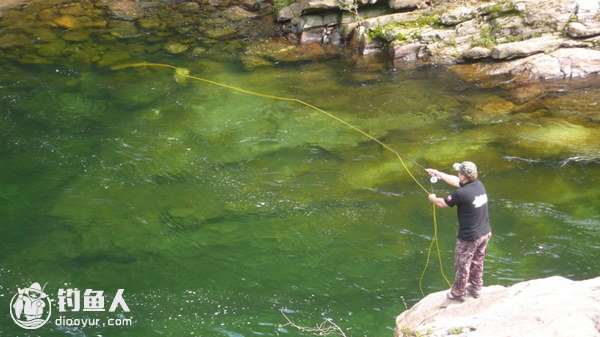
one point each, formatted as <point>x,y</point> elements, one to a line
<point>106,32</point>
<point>176,47</point>
<point>270,51</point>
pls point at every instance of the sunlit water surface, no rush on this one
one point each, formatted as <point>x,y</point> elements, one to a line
<point>217,210</point>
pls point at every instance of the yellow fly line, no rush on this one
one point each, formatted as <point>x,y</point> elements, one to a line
<point>184,73</point>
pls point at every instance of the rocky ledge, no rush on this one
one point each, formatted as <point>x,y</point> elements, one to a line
<point>523,40</point>
<point>553,306</point>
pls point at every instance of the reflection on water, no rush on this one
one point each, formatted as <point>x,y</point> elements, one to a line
<point>215,210</point>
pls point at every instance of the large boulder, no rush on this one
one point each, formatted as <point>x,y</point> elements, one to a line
<point>579,30</point>
<point>457,15</point>
<point>405,4</point>
<point>312,6</point>
<point>564,63</point>
<point>525,48</point>
<point>289,12</point>
<point>553,306</point>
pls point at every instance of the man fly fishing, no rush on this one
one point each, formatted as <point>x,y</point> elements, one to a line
<point>474,230</point>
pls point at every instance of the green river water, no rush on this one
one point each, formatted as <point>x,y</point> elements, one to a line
<point>216,210</point>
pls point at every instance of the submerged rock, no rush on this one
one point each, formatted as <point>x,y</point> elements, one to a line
<point>280,50</point>
<point>237,13</point>
<point>67,21</point>
<point>531,308</point>
<point>123,29</point>
<point>221,33</point>
<point>176,48</point>
<point>251,62</point>
<point>149,23</point>
<point>76,36</point>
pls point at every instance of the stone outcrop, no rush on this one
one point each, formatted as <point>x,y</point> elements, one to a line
<point>532,39</point>
<point>553,306</point>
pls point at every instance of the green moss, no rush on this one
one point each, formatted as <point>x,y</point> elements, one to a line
<point>455,331</point>
<point>408,332</point>
<point>452,42</point>
<point>487,37</point>
<point>401,37</point>
<point>502,9</point>
<point>432,20</point>
<point>279,4</point>
<point>429,20</point>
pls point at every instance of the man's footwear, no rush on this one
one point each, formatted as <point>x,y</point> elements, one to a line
<point>455,298</point>
<point>473,293</point>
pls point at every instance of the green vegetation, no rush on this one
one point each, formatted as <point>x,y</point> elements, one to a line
<point>455,331</point>
<point>430,20</point>
<point>487,37</point>
<point>279,4</point>
<point>408,332</point>
<point>352,8</point>
<point>502,9</point>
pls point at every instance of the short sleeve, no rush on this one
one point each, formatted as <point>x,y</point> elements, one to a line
<point>452,199</point>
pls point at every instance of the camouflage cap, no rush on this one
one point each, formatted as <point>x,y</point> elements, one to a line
<point>467,169</point>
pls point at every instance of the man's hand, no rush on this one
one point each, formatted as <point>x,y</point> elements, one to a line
<point>433,172</point>
<point>449,179</point>
<point>437,201</point>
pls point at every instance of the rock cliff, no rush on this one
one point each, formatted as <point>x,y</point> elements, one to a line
<point>553,306</point>
<point>526,39</point>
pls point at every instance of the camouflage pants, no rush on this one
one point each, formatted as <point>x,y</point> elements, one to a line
<point>468,262</point>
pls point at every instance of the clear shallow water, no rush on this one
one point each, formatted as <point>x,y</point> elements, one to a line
<point>215,210</point>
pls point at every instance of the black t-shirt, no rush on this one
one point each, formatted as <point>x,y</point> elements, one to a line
<point>473,220</point>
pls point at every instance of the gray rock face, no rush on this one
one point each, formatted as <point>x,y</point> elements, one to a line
<point>289,12</point>
<point>516,32</point>
<point>564,63</point>
<point>476,53</point>
<point>580,30</point>
<point>404,4</point>
<point>406,52</point>
<point>237,13</point>
<point>457,15</point>
<point>526,48</point>
<point>553,306</point>
<point>311,6</point>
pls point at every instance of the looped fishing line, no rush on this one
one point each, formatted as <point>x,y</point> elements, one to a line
<point>183,72</point>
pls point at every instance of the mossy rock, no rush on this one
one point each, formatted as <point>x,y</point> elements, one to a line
<point>221,33</point>
<point>176,48</point>
<point>46,15</point>
<point>74,9</point>
<point>149,23</point>
<point>67,22</point>
<point>43,35</point>
<point>53,49</point>
<point>9,41</point>
<point>251,62</point>
<point>198,51</point>
<point>76,36</point>
<point>114,57</point>
<point>123,29</point>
